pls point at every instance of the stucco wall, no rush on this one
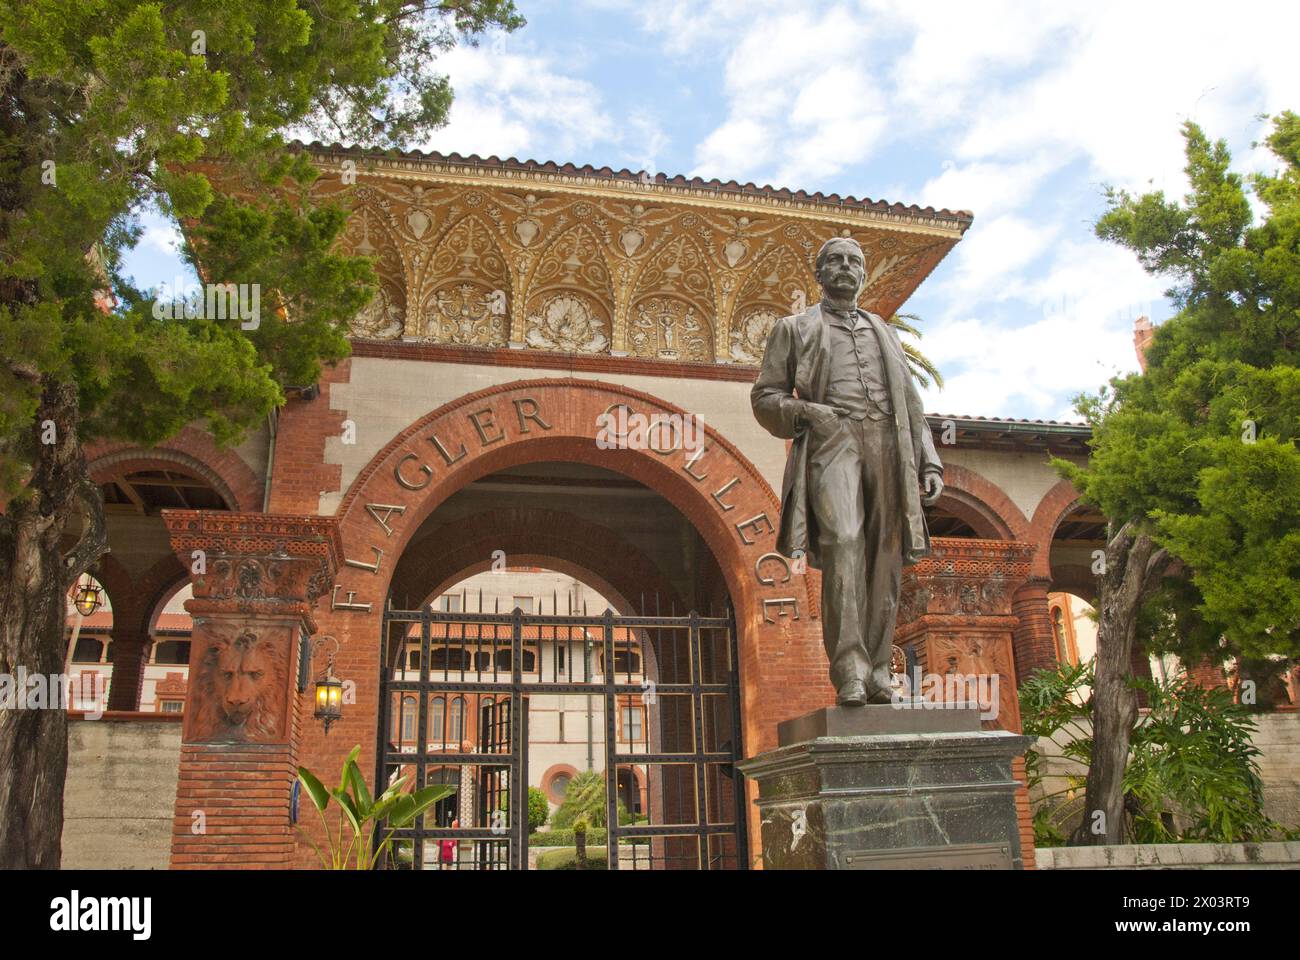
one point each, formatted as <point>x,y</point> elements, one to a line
<point>119,794</point>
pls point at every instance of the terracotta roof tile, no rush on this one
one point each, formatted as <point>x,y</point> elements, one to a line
<point>960,218</point>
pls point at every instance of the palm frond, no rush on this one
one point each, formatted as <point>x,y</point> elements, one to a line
<point>923,369</point>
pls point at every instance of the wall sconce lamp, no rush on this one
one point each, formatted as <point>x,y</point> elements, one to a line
<point>329,688</point>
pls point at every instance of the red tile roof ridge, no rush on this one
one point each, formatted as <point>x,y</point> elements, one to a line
<point>962,217</point>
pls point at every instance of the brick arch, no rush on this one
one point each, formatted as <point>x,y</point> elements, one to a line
<point>1075,578</point>
<point>771,642</point>
<point>163,581</point>
<point>116,581</point>
<point>982,504</point>
<point>1049,513</point>
<point>553,537</point>
<point>193,450</point>
<point>571,439</point>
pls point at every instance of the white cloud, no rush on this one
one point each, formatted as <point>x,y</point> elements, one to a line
<point>1085,303</point>
<point>525,105</point>
<point>161,236</point>
<point>990,259</point>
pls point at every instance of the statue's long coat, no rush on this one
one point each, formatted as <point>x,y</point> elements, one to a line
<point>797,358</point>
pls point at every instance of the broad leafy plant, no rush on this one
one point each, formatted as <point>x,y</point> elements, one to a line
<point>1191,775</point>
<point>360,816</point>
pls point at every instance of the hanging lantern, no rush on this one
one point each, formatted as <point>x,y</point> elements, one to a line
<point>89,597</point>
<point>329,691</point>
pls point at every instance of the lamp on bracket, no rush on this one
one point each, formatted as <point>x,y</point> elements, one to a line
<point>329,688</point>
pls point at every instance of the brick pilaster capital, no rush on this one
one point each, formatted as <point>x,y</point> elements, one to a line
<point>253,560</point>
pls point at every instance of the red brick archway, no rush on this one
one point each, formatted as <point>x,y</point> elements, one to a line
<point>1049,513</point>
<point>718,491</point>
<point>191,449</point>
<point>530,536</point>
<point>982,505</point>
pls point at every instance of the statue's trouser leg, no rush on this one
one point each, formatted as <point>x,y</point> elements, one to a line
<point>884,544</point>
<point>836,489</point>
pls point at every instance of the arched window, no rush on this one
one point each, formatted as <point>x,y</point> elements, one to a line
<point>409,716</point>
<point>456,728</point>
<point>437,719</point>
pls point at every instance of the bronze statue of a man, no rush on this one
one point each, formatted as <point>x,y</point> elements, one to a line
<point>863,463</point>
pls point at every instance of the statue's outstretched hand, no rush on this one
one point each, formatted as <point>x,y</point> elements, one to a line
<point>933,484</point>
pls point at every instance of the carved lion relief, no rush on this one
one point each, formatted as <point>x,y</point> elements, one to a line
<point>240,690</point>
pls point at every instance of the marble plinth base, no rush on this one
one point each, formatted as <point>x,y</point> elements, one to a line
<point>878,787</point>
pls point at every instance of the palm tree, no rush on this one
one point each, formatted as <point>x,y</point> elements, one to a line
<point>921,366</point>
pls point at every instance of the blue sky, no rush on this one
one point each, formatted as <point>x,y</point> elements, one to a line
<point>1018,111</point>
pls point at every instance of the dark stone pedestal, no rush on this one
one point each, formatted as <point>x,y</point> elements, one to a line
<point>884,787</point>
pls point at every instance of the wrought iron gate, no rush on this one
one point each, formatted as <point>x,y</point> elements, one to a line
<point>669,693</point>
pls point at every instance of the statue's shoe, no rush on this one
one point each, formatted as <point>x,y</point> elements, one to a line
<point>880,696</point>
<point>852,694</point>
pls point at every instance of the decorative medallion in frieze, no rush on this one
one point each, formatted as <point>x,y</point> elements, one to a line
<point>446,234</point>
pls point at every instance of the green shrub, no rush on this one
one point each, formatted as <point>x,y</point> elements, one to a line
<point>585,797</point>
<point>538,809</point>
<point>564,838</point>
<point>1192,774</point>
<point>566,858</point>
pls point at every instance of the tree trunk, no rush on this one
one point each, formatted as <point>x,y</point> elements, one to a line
<point>35,576</point>
<point>1132,562</point>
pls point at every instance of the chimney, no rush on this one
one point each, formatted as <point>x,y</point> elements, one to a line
<point>1143,331</point>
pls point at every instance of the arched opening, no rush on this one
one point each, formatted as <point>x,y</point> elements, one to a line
<point>495,613</point>
<point>726,515</point>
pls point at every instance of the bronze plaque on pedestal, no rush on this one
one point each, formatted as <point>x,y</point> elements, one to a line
<point>959,856</point>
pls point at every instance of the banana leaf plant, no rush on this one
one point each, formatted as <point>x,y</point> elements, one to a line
<point>359,815</point>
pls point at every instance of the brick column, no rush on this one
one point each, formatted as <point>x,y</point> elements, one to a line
<point>1035,644</point>
<point>239,749</point>
<point>131,648</point>
<point>956,614</point>
<point>1207,674</point>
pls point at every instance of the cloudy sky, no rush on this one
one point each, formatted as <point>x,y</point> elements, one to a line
<point>1018,111</point>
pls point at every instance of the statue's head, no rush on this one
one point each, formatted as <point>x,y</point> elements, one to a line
<point>841,268</point>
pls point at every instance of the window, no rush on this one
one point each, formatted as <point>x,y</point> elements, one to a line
<point>505,660</point>
<point>633,724</point>
<point>171,651</point>
<point>409,716</point>
<point>88,650</point>
<point>454,658</point>
<point>413,661</point>
<point>450,603</point>
<point>559,784</point>
<point>483,662</point>
<point>625,661</point>
<point>1058,629</point>
<point>438,720</point>
<point>524,603</point>
<point>171,706</point>
<point>559,658</point>
<point>456,729</point>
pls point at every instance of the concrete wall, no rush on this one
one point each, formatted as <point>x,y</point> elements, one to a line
<point>1173,856</point>
<point>120,792</point>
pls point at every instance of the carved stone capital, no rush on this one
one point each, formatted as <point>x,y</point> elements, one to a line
<point>248,559</point>
<point>971,578</point>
